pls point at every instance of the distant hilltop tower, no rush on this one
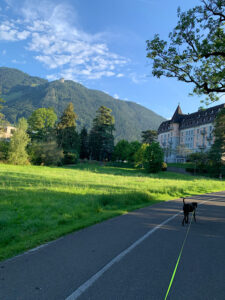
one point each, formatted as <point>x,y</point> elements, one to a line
<point>61,80</point>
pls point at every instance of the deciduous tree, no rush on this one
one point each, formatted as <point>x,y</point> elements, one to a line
<point>18,144</point>
<point>41,123</point>
<point>121,150</point>
<point>217,152</point>
<point>153,158</point>
<point>195,52</point>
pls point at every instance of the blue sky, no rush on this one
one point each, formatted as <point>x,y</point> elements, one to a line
<point>99,43</point>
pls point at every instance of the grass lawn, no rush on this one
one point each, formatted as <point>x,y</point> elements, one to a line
<point>39,204</point>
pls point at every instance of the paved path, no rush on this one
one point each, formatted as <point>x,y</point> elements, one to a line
<point>57,270</point>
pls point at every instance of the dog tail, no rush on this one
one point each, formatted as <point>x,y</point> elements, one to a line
<point>183,200</point>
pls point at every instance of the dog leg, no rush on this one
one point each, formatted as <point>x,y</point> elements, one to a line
<point>194,216</point>
<point>187,219</point>
<point>183,220</point>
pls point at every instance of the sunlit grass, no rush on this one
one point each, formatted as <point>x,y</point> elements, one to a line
<point>38,204</point>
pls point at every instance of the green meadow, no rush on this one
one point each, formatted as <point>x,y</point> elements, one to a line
<point>39,204</point>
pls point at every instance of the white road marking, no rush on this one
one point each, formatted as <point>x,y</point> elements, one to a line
<point>95,277</point>
<point>86,285</point>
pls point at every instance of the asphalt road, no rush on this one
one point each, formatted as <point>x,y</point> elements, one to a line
<point>128,257</point>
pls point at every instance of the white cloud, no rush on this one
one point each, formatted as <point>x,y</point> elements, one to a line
<point>9,31</point>
<point>53,36</point>
<point>22,62</point>
<point>4,52</point>
<point>136,78</point>
<point>116,96</point>
<point>120,75</point>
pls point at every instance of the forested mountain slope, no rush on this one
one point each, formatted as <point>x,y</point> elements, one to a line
<point>23,94</point>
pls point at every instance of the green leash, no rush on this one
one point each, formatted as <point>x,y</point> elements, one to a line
<point>178,260</point>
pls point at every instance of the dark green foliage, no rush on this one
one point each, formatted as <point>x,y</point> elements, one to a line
<point>4,150</point>
<point>24,94</point>
<point>13,80</point>
<point>41,123</point>
<point>140,157</point>
<point>196,49</point>
<point>219,131</point>
<point>217,152</point>
<point>1,106</point>
<point>2,117</point>
<point>101,140</point>
<point>134,147</point>
<point>200,161</point>
<point>84,147</point>
<point>126,151</point>
<point>67,136</point>
<point>149,136</point>
<point>153,158</point>
<point>121,151</point>
<point>17,154</point>
<point>45,153</point>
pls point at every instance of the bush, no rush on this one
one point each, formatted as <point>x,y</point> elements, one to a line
<point>4,150</point>
<point>17,154</point>
<point>70,158</point>
<point>164,166</point>
<point>45,153</point>
<point>153,158</point>
<point>140,157</point>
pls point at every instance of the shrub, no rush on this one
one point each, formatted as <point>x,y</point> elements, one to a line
<point>164,166</point>
<point>4,150</point>
<point>153,158</point>
<point>45,153</point>
<point>18,144</point>
<point>140,157</point>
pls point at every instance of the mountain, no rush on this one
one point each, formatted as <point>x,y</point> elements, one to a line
<point>23,94</point>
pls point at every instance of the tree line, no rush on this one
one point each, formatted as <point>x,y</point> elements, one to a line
<point>42,140</point>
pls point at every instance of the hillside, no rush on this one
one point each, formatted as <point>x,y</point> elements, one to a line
<point>23,94</point>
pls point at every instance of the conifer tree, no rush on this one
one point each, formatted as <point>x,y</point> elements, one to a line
<point>101,139</point>
<point>1,114</point>
<point>149,136</point>
<point>18,143</point>
<point>68,118</point>
<point>84,151</point>
<point>67,135</point>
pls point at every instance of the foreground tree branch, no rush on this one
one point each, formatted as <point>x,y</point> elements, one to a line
<point>195,52</point>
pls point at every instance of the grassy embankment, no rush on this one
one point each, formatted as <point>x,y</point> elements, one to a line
<point>38,204</point>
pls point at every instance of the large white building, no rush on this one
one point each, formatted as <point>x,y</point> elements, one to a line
<point>185,134</point>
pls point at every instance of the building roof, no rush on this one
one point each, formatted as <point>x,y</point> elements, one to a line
<point>177,116</point>
<point>201,117</point>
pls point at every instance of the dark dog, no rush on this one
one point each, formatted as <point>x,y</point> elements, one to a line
<point>187,208</point>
